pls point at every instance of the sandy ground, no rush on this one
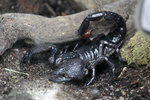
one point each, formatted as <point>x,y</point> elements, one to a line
<point>31,82</point>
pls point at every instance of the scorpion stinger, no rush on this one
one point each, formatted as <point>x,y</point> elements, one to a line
<point>116,36</point>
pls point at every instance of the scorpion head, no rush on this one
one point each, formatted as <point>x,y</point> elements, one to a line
<point>70,70</point>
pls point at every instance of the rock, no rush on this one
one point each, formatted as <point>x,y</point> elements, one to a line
<point>121,98</point>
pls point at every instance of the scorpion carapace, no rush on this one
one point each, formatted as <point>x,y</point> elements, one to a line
<point>75,64</point>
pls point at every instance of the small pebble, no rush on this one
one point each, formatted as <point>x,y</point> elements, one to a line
<point>121,98</point>
<point>123,92</point>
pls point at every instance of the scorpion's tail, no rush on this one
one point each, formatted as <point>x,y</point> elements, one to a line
<point>108,16</point>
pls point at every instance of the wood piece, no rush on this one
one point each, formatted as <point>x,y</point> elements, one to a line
<point>40,29</point>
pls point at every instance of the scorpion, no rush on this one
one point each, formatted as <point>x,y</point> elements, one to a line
<point>76,64</point>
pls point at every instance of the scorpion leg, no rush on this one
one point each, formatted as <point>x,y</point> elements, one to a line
<point>93,64</point>
<point>37,49</point>
<point>109,44</point>
<point>112,65</point>
<point>116,47</point>
<point>93,76</point>
<point>66,48</point>
<point>75,47</point>
<point>119,57</point>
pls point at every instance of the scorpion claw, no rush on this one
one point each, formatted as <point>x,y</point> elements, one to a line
<point>38,49</point>
<point>58,72</point>
<point>60,79</point>
<point>26,57</point>
<point>71,70</point>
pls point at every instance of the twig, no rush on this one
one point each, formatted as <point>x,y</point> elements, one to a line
<point>50,9</point>
<point>14,71</point>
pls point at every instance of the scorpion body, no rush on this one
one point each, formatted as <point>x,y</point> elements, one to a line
<point>76,64</point>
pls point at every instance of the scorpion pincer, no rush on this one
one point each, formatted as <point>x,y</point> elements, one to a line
<point>75,64</point>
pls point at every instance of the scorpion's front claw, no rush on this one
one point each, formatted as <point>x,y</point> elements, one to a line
<point>38,49</point>
<point>59,72</point>
<point>73,69</point>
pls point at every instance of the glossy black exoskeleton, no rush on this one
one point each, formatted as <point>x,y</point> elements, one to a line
<point>75,64</point>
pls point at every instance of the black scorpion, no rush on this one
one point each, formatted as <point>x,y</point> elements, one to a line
<point>75,64</point>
